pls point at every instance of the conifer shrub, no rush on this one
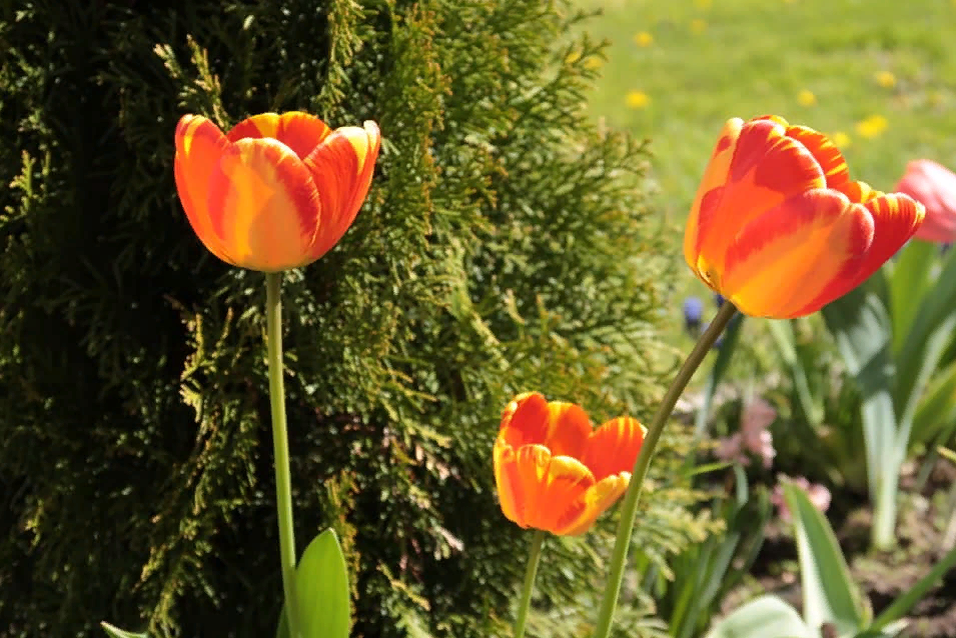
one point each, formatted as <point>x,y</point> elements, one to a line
<point>505,246</point>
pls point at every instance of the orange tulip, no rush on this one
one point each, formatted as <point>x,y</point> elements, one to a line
<point>275,192</point>
<point>553,472</point>
<point>778,227</point>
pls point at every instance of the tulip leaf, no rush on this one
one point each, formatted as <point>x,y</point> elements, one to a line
<point>909,279</point>
<point>764,617</point>
<point>116,632</point>
<point>937,409</point>
<point>829,593</point>
<point>782,332</point>
<point>936,309</point>
<point>861,326</point>
<point>322,590</point>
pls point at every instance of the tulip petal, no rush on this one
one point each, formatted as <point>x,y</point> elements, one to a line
<point>569,429</point>
<point>537,489</point>
<point>342,168</point>
<point>613,447</point>
<point>767,169</point>
<point>264,205</point>
<point>715,176</point>
<point>199,145</point>
<point>934,186</point>
<point>561,427</point>
<point>791,254</point>
<point>300,131</point>
<point>509,490</point>
<point>828,156</point>
<point>858,192</point>
<point>896,218</point>
<point>598,498</point>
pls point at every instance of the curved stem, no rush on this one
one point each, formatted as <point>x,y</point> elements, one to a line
<point>280,443</point>
<point>633,494</point>
<point>533,557</point>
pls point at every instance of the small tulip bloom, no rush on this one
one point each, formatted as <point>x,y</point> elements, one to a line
<point>275,192</point>
<point>934,186</point>
<point>778,227</point>
<point>553,471</point>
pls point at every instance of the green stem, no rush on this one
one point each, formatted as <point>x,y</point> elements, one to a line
<point>883,533</point>
<point>533,557</point>
<point>651,439</point>
<point>280,443</point>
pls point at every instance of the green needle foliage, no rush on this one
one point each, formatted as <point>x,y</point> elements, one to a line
<point>505,246</point>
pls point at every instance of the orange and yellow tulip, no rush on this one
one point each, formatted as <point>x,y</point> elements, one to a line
<point>553,471</point>
<point>276,191</point>
<point>780,229</point>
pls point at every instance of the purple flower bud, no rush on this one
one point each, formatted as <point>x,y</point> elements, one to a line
<point>693,310</point>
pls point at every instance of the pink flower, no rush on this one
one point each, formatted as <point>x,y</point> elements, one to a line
<point>753,436</point>
<point>934,186</point>
<point>818,494</point>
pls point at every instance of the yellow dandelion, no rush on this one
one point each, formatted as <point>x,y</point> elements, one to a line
<point>841,140</point>
<point>871,126</point>
<point>643,39</point>
<point>885,79</point>
<point>572,57</point>
<point>637,99</point>
<point>705,4</point>
<point>593,62</point>
<point>806,98</point>
<point>935,98</point>
<point>697,25</point>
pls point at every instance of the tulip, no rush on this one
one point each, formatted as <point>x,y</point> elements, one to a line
<point>276,191</point>
<point>555,473</point>
<point>778,227</point>
<point>934,186</point>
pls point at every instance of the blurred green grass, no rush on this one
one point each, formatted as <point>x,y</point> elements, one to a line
<point>879,76</point>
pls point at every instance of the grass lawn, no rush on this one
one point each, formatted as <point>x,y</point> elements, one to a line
<point>878,75</point>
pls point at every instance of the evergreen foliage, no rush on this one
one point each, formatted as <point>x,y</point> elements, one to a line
<point>505,246</point>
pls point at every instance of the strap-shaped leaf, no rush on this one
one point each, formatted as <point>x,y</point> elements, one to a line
<point>764,617</point>
<point>829,593</point>
<point>909,277</point>
<point>322,586</point>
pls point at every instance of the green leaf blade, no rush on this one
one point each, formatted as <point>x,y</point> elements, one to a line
<point>829,593</point>
<point>322,587</point>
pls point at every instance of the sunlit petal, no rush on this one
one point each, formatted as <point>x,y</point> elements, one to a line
<point>592,504</point>
<point>895,220</point>
<point>613,447</point>
<point>264,205</point>
<point>199,146</point>
<point>300,131</point>
<point>788,255</point>
<point>342,168</point>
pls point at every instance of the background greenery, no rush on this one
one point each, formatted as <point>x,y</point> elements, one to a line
<point>506,245</point>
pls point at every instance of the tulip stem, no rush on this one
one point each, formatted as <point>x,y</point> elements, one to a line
<point>533,557</point>
<point>280,443</point>
<point>651,439</point>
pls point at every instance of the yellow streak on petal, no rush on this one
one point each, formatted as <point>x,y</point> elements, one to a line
<point>598,498</point>
<point>268,203</point>
<point>793,252</point>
